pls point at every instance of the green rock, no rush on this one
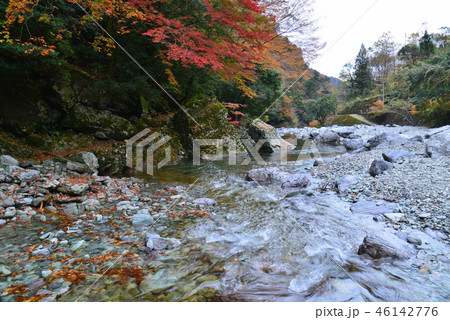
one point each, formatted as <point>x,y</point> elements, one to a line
<point>155,286</point>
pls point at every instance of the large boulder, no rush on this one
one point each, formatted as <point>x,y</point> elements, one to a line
<point>259,130</point>
<point>101,123</point>
<point>28,175</point>
<point>6,160</point>
<point>385,139</point>
<point>296,181</point>
<point>434,131</point>
<point>72,187</point>
<point>344,132</point>
<point>379,166</point>
<point>77,167</point>
<point>269,174</point>
<point>353,144</point>
<point>438,144</point>
<point>84,162</point>
<point>395,155</point>
<point>384,246</point>
<point>345,182</point>
<point>327,137</point>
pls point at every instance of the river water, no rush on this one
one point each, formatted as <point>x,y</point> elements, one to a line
<point>265,243</point>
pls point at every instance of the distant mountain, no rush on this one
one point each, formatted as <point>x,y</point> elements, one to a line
<point>335,81</point>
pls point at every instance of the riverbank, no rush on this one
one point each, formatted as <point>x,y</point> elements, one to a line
<point>59,227</point>
<point>418,183</point>
<point>415,180</point>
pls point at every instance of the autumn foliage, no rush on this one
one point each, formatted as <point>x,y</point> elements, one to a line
<point>224,36</point>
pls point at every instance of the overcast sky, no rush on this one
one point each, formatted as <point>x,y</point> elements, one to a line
<point>345,24</point>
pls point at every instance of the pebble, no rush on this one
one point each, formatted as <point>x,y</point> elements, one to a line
<point>5,271</point>
<point>77,245</point>
<point>10,212</point>
<point>42,252</point>
<point>424,270</point>
<point>46,273</point>
<point>414,240</point>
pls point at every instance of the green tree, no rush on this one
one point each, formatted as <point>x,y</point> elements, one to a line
<point>319,109</point>
<point>361,81</point>
<point>409,53</point>
<point>429,87</point>
<point>426,45</point>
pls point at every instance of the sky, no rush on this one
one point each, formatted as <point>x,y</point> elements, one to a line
<point>345,24</point>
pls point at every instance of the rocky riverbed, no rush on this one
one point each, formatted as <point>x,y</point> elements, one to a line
<point>367,219</point>
<point>408,166</point>
<point>59,228</point>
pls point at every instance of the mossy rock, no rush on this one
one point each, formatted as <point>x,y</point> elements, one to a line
<point>102,123</point>
<point>346,120</point>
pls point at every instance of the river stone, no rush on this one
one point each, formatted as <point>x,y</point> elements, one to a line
<point>70,208</point>
<point>259,130</point>
<point>372,207</point>
<point>321,161</point>
<point>91,205</point>
<point>72,188</point>
<point>395,155</point>
<point>205,202</point>
<point>91,161</point>
<point>6,160</point>
<point>266,175</point>
<point>416,139</point>
<point>385,245</point>
<point>378,166</point>
<point>29,175</point>
<point>9,213</point>
<point>345,182</point>
<point>6,202</point>
<point>435,234</point>
<point>432,132</point>
<point>142,219</point>
<point>438,145</point>
<point>155,286</point>
<point>24,202</point>
<point>424,269</point>
<point>394,216</point>
<point>46,273</point>
<point>346,290</point>
<point>41,252</point>
<point>77,245</point>
<point>2,222</point>
<point>296,181</point>
<point>327,137</point>
<point>77,167</point>
<point>353,144</point>
<point>384,139</point>
<point>344,132</point>
<point>414,240</point>
<point>5,271</point>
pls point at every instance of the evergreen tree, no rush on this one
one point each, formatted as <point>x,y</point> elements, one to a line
<point>426,45</point>
<point>361,81</point>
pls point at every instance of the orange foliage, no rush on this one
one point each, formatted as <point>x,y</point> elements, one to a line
<point>73,276</point>
<point>314,124</point>
<point>377,107</point>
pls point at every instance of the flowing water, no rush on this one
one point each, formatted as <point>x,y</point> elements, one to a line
<point>270,244</point>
